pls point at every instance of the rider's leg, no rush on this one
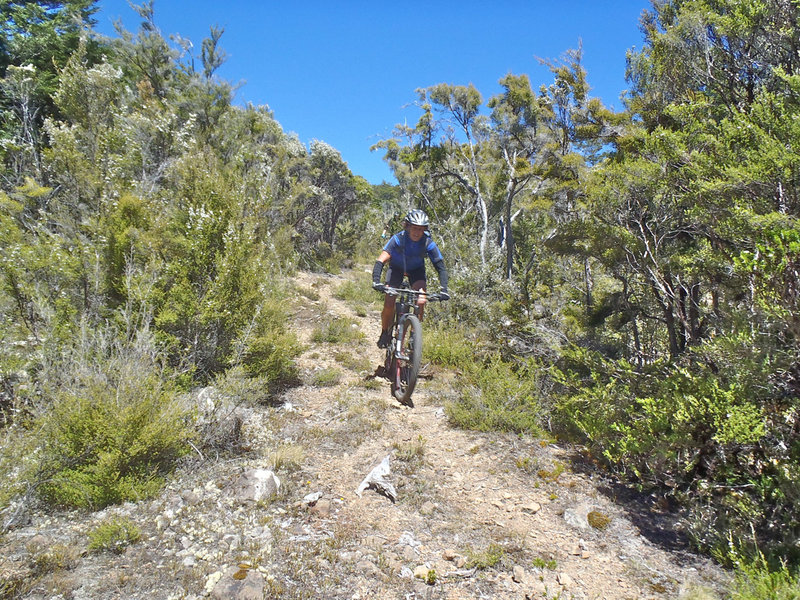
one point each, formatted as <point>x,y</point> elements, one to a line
<point>387,313</point>
<point>393,279</point>
<point>419,285</point>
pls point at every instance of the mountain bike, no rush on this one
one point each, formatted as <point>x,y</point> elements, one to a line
<point>404,353</point>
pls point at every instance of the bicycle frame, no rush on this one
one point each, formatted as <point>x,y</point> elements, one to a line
<point>404,353</point>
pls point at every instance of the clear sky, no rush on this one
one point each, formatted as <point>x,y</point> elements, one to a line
<point>346,72</point>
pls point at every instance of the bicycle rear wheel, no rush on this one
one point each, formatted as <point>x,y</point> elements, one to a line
<point>406,364</point>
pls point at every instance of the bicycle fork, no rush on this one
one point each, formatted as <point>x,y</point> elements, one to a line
<point>398,341</point>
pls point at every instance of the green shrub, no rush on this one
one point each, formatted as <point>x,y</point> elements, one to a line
<point>359,294</point>
<point>497,397</point>
<point>353,362</point>
<point>484,559</point>
<point>268,348</point>
<point>325,377</point>
<point>698,433</point>
<point>271,356</point>
<point>449,347</point>
<point>110,443</point>
<point>114,535</point>
<point>756,581</point>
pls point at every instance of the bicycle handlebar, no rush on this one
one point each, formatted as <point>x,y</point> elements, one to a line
<point>390,291</point>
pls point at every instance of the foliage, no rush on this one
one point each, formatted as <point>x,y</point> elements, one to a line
<point>268,348</point>
<point>358,294</point>
<point>114,535</point>
<point>484,559</point>
<point>111,435</point>
<point>757,581</point>
<point>325,377</point>
<point>705,436</point>
<point>449,347</point>
<point>497,396</point>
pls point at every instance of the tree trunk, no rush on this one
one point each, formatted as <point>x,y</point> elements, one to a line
<point>589,283</point>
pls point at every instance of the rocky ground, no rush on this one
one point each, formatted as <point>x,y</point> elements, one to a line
<point>476,515</point>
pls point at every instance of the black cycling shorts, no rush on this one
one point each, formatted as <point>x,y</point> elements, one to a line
<point>394,277</point>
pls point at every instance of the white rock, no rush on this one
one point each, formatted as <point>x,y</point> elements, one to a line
<point>256,485</point>
<point>212,581</point>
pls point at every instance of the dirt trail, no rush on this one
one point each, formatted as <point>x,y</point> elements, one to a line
<point>477,515</point>
<point>486,516</point>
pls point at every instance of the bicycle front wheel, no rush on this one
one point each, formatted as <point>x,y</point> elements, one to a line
<point>407,361</point>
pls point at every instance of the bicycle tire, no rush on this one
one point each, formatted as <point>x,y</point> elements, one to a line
<point>405,371</point>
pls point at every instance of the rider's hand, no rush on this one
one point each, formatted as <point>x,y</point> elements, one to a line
<point>443,295</point>
<point>377,285</point>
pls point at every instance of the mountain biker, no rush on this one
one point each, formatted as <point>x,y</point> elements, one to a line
<point>405,252</point>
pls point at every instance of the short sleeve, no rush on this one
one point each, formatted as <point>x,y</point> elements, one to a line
<point>433,252</point>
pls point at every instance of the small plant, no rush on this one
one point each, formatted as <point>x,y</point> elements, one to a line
<point>288,457</point>
<point>526,464</point>
<point>485,559</point>
<point>371,383</point>
<point>338,330</point>
<point>309,293</point>
<point>757,581</point>
<point>357,293</point>
<point>412,451</point>
<point>114,535</point>
<point>325,377</point>
<point>57,557</point>
<point>430,578</point>
<point>551,474</point>
<point>349,361</point>
<point>598,520</point>
<point>544,563</point>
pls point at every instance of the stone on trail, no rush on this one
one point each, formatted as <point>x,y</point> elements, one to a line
<point>239,584</point>
<point>378,480</point>
<point>255,485</point>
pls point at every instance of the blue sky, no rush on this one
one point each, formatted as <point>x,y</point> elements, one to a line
<point>346,72</point>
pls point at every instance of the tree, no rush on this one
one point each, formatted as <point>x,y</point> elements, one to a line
<point>37,39</point>
<point>519,136</point>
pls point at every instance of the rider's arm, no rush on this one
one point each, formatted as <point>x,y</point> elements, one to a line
<point>378,268</point>
<point>442,271</point>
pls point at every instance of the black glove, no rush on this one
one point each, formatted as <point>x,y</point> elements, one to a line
<point>377,285</point>
<point>443,295</point>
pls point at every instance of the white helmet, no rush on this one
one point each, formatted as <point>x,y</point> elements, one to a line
<point>417,217</point>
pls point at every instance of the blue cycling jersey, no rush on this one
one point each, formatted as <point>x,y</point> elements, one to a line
<point>408,255</point>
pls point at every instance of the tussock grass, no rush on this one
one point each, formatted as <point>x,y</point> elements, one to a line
<point>288,457</point>
<point>410,452</point>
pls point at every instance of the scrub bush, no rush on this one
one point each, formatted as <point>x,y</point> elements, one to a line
<point>110,444</point>
<point>114,535</point>
<point>496,396</point>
